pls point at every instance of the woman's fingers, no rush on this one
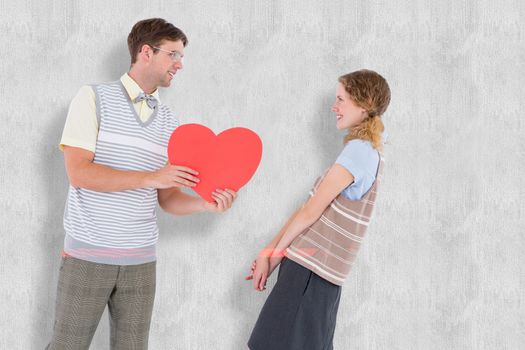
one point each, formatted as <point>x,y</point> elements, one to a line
<point>262,282</point>
<point>256,279</point>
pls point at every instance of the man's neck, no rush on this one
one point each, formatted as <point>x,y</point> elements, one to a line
<point>143,83</point>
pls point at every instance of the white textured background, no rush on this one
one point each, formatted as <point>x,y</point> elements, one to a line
<point>442,266</point>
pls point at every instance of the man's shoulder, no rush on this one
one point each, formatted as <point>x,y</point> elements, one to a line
<point>104,84</point>
<point>88,91</point>
<point>85,92</point>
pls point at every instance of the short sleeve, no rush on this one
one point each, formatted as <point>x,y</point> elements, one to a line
<point>81,127</point>
<point>361,160</point>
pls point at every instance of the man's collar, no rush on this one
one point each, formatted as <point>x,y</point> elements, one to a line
<point>133,88</point>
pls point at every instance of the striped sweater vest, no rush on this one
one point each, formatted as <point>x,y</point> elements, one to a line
<point>119,227</point>
<point>329,246</point>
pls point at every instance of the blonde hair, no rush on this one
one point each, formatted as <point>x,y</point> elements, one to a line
<point>370,91</point>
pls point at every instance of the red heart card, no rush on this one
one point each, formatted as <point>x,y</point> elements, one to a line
<point>227,160</point>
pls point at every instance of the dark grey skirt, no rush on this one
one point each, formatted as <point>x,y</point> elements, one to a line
<point>299,314</point>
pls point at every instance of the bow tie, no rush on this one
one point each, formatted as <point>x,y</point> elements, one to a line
<point>150,100</point>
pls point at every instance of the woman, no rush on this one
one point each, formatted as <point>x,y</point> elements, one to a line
<point>318,244</point>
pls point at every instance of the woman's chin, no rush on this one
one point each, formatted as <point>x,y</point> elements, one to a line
<point>339,126</point>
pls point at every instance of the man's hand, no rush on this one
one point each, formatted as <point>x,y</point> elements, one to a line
<point>172,176</point>
<point>223,201</point>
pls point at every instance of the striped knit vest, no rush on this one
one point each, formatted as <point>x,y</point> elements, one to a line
<point>329,246</point>
<point>119,228</point>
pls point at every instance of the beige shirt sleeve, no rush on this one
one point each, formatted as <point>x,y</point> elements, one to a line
<point>81,128</point>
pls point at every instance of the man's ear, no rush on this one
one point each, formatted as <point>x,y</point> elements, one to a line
<point>145,52</point>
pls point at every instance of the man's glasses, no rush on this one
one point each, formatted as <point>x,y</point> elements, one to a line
<point>176,56</point>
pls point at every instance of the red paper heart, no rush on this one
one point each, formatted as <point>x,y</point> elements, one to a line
<point>227,160</point>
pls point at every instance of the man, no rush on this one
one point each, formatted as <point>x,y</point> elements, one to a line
<point>114,144</point>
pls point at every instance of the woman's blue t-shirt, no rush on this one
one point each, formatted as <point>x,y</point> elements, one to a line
<point>361,159</point>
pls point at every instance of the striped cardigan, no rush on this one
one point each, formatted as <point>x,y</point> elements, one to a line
<point>120,227</point>
<point>329,246</point>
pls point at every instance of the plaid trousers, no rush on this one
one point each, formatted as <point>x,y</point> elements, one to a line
<point>84,290</point>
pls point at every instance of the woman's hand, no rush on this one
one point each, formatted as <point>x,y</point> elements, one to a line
<point>252,270</point>
<point>259,273</point>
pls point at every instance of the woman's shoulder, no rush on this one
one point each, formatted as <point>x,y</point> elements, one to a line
<point>359,143</point>
<point>361,159</point>
<point>360,148</point>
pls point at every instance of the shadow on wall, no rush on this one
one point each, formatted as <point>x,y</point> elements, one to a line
<point>115,63</point>
<point>52,178</point>
<point>327,138</point>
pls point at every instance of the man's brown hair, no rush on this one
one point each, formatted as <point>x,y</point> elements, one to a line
<point>152,32</point>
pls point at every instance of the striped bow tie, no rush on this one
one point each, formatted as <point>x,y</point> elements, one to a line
<point>150,100</point>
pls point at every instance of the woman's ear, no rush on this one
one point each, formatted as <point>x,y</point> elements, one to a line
<point>364,114</point>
